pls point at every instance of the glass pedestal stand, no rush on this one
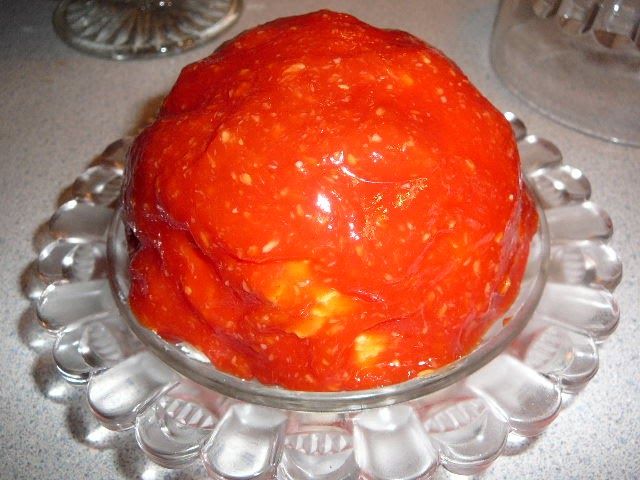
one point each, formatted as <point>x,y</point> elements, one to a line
<point>125,29</point>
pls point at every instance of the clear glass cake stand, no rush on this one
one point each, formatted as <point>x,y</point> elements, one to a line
<point>460,418</point>
<point>124,29</point>
<point>577,61</point>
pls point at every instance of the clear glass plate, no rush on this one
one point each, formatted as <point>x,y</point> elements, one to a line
<point>461,417</point>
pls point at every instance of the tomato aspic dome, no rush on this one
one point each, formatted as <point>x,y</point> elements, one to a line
<point>325,205</point>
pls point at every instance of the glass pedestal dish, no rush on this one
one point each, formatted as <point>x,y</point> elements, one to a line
<point>123,29</point>
<point>459,418</point>
<point>577,61</point>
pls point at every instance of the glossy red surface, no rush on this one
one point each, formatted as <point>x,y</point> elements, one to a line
<point>325,205</point>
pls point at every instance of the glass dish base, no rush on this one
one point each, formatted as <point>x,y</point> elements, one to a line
<point>461,428</point>
<point>123,29</point>
<point>575,61</point>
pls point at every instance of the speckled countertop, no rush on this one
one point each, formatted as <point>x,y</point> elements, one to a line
<point>59,108</point>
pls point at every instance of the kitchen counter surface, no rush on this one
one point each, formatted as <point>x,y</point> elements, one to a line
<point>60,108</point>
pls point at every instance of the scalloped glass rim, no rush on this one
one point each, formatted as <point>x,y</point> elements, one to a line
<point>272,396</point>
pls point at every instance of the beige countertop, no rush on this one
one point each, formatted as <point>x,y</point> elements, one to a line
<point>60,108</point>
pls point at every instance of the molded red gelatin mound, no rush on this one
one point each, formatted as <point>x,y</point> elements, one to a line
<point>325,205</point>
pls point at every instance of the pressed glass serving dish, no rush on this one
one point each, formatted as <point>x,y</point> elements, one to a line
<point>576,61</point>
<point>460,417</point>
<point>193,365</point>
<point>129,29</point>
